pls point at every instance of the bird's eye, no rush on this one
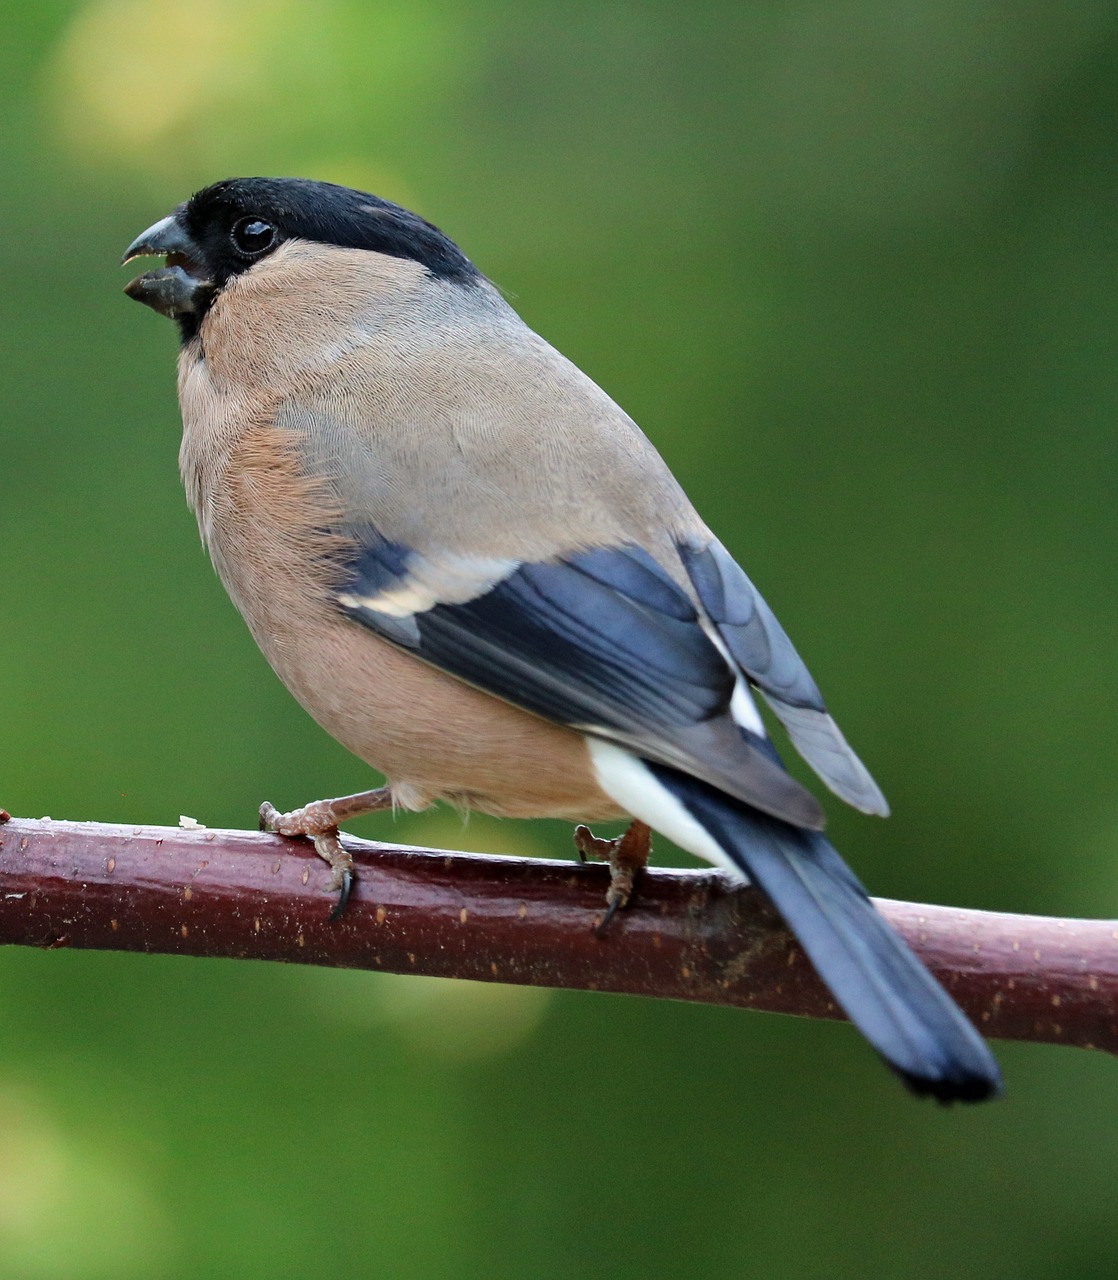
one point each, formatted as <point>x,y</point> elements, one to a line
<point>253,236</point>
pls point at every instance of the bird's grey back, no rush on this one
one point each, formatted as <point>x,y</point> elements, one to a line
<point>445,381</point>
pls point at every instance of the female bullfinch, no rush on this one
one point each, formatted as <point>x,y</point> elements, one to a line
<point>474,570</point>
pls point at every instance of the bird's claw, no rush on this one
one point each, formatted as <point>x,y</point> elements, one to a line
<point>317,822</point>
<point>344,890</point>
<point>626,854</point>
<point>615,905</point>
<point>588,845</point>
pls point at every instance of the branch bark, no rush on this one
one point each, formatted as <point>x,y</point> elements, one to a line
<point>686,936</point>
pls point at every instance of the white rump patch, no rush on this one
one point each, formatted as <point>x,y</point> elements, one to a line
<point>627,779</point>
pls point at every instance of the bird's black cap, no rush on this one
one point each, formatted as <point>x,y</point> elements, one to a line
<point>319,211</point>
<point>225,229</point>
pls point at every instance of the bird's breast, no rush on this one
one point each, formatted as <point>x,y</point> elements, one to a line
<point>267,525</point>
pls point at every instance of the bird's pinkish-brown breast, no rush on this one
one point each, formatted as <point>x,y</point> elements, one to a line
<point>264,523</point>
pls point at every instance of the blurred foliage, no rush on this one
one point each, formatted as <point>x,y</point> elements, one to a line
<point>852,265</point>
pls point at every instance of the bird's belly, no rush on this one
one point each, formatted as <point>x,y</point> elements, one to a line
<point>431,735</point>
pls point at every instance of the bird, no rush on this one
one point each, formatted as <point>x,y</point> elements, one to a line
<point>476,572</point>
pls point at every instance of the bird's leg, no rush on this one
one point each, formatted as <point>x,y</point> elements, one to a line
<point>320,821</point>
<point>626,854</point>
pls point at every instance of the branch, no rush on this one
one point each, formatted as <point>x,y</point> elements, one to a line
<point>686,936</point>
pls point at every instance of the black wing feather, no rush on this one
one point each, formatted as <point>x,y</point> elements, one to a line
<point>749,627</point>
<point>604,641</point>
<point>757,641</point>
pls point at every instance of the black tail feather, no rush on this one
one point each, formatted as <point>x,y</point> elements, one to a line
<point>879,983</point>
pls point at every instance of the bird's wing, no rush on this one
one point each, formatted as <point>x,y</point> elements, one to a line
<point>603,641</point>
<point>758,643</point>
<point>608,639</point>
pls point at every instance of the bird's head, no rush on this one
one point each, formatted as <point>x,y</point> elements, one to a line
<point>224,230</point>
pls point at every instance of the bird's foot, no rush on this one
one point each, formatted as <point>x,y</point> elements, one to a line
<point>319,821</point>
<point>626,854</point>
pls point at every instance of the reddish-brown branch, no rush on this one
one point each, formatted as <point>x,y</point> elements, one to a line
<point>686,936</point>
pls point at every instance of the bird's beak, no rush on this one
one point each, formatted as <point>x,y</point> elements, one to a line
<point>183,285</point>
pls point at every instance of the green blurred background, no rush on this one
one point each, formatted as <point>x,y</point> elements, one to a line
<point>852,266</point>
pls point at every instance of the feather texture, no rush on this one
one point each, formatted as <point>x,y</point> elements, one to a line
<point>602,641</point>
<point>875,978</point>
<point>757,641</point>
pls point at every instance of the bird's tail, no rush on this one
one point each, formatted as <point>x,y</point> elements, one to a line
<point>880,984</point>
